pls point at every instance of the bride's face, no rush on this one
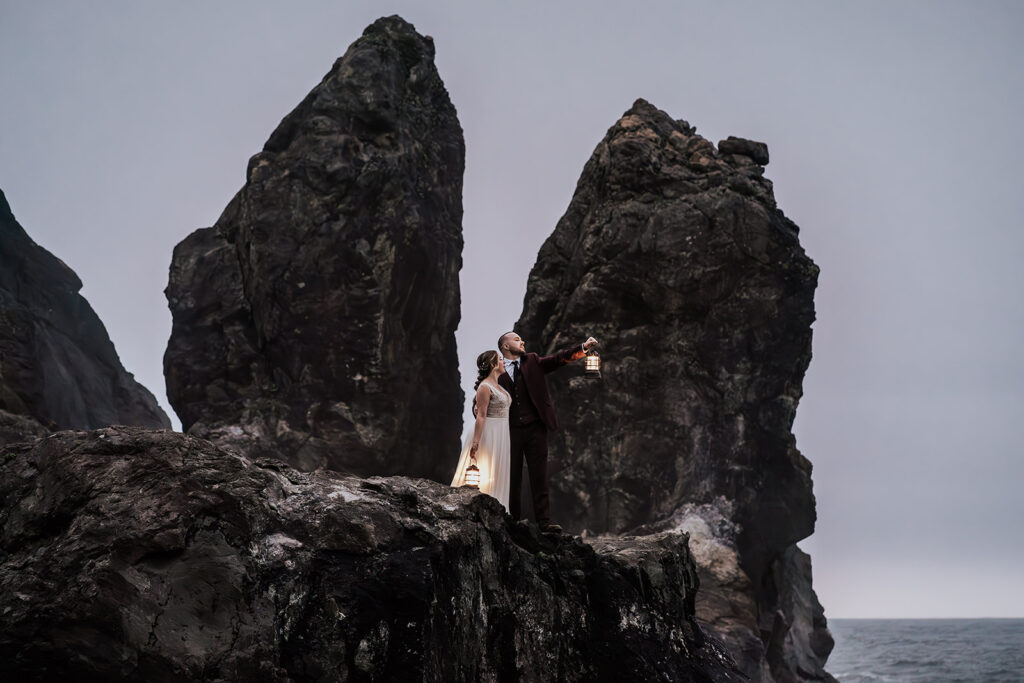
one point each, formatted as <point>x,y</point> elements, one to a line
<point>498,363</point>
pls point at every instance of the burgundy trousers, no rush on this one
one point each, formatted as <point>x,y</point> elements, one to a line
<point>530,442</point>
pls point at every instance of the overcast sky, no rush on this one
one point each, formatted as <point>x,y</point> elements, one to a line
<point>894,130</point>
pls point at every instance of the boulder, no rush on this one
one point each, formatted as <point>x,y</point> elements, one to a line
<point>755,151</point>
<point>315,321</point>
<point>58,367</point>
<point>676,257</point>
<point>133,554</point>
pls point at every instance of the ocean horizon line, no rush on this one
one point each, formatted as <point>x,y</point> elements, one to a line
<point>831,619</point>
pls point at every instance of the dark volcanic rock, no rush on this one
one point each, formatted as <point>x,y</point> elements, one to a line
<point>316,320</point>
<point>58,368</point>
<point>757,151</point>
<point>677,259</point>
<point>130,554</point>
<point>15,428</point>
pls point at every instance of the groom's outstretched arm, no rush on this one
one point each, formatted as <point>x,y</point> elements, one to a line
<point>565,356</point>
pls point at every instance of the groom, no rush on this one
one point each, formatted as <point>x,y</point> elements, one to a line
<point>530,417</point>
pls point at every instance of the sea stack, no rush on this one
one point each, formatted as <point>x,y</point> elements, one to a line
<point>675,256</point>
<point>315,321</point>
<point>58,367</point>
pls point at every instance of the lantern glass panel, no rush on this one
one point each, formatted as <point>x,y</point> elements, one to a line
<point>473,476</point>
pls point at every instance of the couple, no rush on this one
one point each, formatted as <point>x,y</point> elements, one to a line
<point>513,416</point>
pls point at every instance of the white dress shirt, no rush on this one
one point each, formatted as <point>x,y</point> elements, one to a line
<point>510,367</point>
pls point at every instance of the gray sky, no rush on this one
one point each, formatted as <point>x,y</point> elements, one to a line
<point>893,130</point>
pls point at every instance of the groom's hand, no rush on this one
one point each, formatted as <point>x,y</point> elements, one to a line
<point>590,342</point>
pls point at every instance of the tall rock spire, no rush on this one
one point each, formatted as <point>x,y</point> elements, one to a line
<point>315,321</point>
<point>673,254</point>
<point>58,367</point>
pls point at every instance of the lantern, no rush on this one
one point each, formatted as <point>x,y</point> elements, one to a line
<point>593,365</point>
<point>473,474</point>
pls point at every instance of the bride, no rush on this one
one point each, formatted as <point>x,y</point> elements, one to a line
<point>489,443</point>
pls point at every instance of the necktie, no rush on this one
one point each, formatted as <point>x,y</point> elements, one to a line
<point>516,374</point>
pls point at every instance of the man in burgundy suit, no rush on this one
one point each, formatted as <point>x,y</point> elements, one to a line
<point>530,417</point>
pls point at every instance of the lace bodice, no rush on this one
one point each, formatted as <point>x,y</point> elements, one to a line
<point>499,403</point>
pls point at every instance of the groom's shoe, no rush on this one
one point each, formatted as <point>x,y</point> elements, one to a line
<point>550,528</point>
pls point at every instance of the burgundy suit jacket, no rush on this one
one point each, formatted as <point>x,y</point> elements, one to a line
<point>533,368</point>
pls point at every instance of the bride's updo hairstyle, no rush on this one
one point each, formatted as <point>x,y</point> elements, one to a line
<point>484,364</point>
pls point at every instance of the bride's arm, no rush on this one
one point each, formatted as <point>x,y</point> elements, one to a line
<point>483,397</point>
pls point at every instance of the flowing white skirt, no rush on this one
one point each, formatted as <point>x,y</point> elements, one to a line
<point>493,459</point>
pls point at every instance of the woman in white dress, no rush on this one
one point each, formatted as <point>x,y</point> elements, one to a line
<point>489,443</point>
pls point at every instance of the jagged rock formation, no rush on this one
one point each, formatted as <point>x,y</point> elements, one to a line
<point>316,320</point>
<point>58,368</point>
<point>675,256</point>
<point>131,554</point>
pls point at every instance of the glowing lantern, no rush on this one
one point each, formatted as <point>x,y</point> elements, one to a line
<point>593,365</point>
<point>473,474</point>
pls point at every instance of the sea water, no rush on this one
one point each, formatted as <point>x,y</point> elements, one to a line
<point>927,650</point>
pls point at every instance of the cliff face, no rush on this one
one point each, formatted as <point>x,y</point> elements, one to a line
<point>58,367</point>
<point>311,320</point>
<point>674,255</point>
<point>129,554</point>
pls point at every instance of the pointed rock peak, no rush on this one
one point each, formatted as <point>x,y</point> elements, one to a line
<point>648,153</point>
<point>6,215</point>
<point>397,27</point>
<point>386,78</point>
<point>642,107</point>
<point>328,291</point>
<point>58,367</point>
<point>25,264</point>
<point>644,115</point>
<point>392,24</point>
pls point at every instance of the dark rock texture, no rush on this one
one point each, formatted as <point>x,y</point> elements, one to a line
<point>131,554</point>
<point>316,320</point>
<point>15,428</point>
<point>676,258</point>
<point>755,151</point>
<point>58,368</point>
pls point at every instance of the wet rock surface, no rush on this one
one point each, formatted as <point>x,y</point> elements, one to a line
<point>58,367</point>
<point>132,554</point>
<point>315,321</point>
<point>674,254</point>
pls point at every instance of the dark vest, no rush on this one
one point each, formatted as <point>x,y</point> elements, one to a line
<point>522,411</point>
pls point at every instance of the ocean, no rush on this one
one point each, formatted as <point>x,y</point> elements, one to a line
<point>927,650</point>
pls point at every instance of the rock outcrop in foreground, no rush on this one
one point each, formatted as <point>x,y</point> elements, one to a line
<point>675,256</point>
<point>58,367</point>
<point>131,554</point>
<point>316,320</point>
